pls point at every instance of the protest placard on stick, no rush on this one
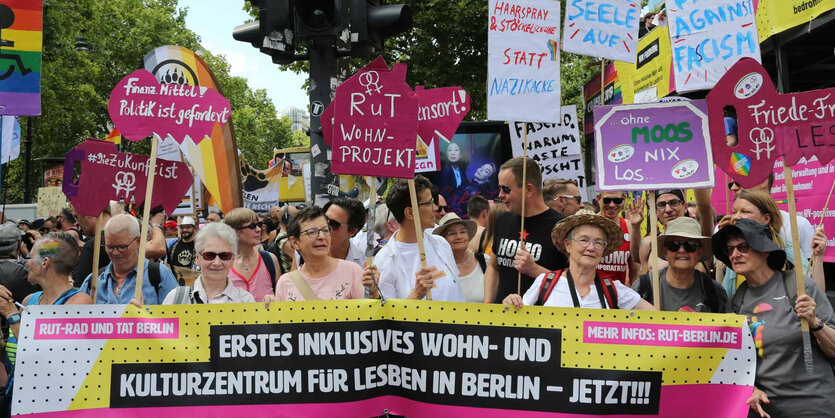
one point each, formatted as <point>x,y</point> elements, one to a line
<point>418,229</point>
<point>606,28</point>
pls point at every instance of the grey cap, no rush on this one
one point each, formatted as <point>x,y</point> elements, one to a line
<point>9,237</point>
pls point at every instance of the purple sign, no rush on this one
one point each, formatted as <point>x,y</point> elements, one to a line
<point>653,146</point>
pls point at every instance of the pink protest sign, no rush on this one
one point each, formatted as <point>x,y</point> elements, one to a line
<point>109,175</point>
<point>441,111</point>
<point>769,124</point>
<point>375,123</point>
<point>140,106</point>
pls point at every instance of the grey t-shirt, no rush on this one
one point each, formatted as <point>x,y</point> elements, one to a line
<point>781,373</point>
<point>692,299</point>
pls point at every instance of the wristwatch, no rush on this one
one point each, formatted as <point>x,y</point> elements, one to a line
<point>13,318</point>
<point>819,327</point>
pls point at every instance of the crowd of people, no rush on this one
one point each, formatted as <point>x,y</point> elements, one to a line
<point>570,254</point>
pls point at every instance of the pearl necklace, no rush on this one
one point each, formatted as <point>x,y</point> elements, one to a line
<point>467,260</point>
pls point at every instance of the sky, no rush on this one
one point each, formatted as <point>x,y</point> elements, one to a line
<point>213,21</point>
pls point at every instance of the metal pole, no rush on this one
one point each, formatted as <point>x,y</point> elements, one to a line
<point>322,71</point>
<point>27,161</point>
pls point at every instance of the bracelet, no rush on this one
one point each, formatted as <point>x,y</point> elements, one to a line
<point>13,318</point>
<point>819,327</point>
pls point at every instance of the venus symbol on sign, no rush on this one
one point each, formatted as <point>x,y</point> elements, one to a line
<point>370,80</point>
<point>125,182</point>
<point>764,137</point>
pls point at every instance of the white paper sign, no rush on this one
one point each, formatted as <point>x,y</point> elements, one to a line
<point>554,146</point>
<point>603,28</point>
<point>523,63</point>
<point>708,37</point>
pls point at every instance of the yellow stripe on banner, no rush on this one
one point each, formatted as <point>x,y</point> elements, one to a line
<point>24,40</point>
<point>208,155</point>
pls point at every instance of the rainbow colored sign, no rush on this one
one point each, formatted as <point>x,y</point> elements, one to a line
<point>21,43</point>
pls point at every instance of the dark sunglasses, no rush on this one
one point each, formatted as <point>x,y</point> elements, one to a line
<point>443,208</point>
<point>610,200</point>
<point>505,189</point>
<point>742,248</point>
<point>334,225</point>
<point>210,256</point>
<point>689,246</point>
<point>250,226</point>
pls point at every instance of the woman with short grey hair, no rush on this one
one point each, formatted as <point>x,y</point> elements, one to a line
<point>216,245</point>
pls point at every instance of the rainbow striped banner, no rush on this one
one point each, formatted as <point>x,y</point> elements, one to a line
<point>214,160</point>
<point>20,57</point>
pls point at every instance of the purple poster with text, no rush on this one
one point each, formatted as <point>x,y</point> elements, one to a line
<point>653,146</point>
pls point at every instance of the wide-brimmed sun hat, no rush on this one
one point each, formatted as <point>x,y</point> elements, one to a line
<point>612,231</point>
<point>684,227</point>
<point>451,219</point>
<point>759,239</point>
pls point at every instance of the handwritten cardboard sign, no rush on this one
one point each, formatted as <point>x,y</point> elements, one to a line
<point>523,60</point>
<point>109,175</point>
<point>769,124</point>
<point>375,123</point>
<point>605,28</point>
<point>50,201</point>
<point>441,111</point>
<point>653,146</point>
<point>140,106</point>
<point>708,37</point>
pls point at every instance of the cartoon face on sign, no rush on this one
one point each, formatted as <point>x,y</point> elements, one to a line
<point>768,124</point>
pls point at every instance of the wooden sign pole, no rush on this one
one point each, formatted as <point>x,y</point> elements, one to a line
<point>418,229</point>
<point>372,205</point>
<point>96,255</point>
<point>524,192</point>
<point>146,214</point>
<point>798,271</point>
<point>653,260</point>
<point>727,196</point>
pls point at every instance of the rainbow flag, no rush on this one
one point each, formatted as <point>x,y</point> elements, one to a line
<point>215,159</point>
<point>20,58</point>
<point>115,137</point>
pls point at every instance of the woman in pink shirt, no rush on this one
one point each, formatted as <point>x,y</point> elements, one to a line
<point>321,277</point>
<point>249,271</point>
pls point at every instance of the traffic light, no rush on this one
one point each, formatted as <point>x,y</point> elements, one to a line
<point>272,33</point>
<point>372,23</point>
<point>317,18</point>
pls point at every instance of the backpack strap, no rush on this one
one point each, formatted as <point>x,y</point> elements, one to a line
<point>610,292</point>
<point>709,290</point>
<point>548,283</point>
<point>307,293</point>
<point>268,261</point>
<point>645,288</point>
<point>181,296</point>
<point>482,262</point>
<point>154,276</point>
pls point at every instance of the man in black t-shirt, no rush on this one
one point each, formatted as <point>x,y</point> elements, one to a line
<point>85,261</point>
<point>181,252</point>
<point>539,255</point>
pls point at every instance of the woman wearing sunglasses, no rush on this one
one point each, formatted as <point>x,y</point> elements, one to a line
<point>215,245</point>
<point>253,269</point>
<point>682,288</point>
<point>783,387</point>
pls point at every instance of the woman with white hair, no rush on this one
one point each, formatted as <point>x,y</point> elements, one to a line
<point>216,245</point>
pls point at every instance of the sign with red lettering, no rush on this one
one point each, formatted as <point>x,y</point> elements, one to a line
<point>523,60</point>
<point>140,106</point>
<point>606,28</point>
<point>768,124</point>
<point>375,123</point>
<point>109,175</point>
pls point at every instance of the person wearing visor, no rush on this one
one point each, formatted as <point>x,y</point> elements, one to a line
<point>682,287</point>
<point>769,299</point>
<point>585,238</point>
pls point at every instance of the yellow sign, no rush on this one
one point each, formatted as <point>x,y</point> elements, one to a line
<point>775,16</point>
<point>649,78</point>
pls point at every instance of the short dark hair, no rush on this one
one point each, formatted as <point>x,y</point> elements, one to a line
<point>68,215</point>
<point>295,228</point>
<point>533,175</point>
<point>476,206</point>
<point>436,194</point>
<point>398,198</point>
<point>355,209</point>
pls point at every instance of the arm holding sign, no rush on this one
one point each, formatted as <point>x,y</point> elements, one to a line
<point>524,263</point>
<point>704,210</point>
<point>635,215</point>
<point>156,246</point>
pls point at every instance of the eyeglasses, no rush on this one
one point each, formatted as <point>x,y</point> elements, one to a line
<point>250,226</point>
<point>119,248</point>
<point>742,248</point>
<point>313,233</point>
<point>689,246</point>
<point>334,225</point>
<point>443,208</point>
<point>609,200</point>
<point>210,256</point>
<point>584,243</point>
<point>505,189</point>
<point>568,196</point>
<point>426,203</point>
<point>672,203</point>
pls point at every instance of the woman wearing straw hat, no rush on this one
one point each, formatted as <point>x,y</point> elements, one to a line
<point>458,233</point>
<point>769,298</point>
<point>682,288</point>
<point>585,238</point>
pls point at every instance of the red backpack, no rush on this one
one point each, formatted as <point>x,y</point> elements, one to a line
<point>607,288</point>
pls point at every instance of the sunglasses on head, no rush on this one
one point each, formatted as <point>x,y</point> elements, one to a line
<point>689,246</point>
<point>610,200</point>
<point>210,256</point>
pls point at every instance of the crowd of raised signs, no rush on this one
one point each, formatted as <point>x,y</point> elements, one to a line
<point>569,254</point>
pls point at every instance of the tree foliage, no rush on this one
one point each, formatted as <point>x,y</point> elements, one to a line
<point>76,85</point>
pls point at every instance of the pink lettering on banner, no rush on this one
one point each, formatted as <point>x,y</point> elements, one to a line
<point>662,335</point>
<point>106,328</point>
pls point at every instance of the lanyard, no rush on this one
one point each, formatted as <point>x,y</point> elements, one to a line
<point>573,290</point>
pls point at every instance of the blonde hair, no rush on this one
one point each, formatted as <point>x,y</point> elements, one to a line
<point>240,217</point>
<point>765,203</point>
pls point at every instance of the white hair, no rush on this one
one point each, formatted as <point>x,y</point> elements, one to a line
<point>216,230</point>
<point>122,222</point>
<point>382,215</point>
